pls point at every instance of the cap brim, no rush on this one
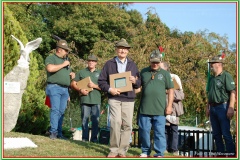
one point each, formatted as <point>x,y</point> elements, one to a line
<point>155,60</point>
<point>123,46</point>
<point>215,62</point>
<point>65,48</point>
<point>92,60</point>
<point>69,49</point>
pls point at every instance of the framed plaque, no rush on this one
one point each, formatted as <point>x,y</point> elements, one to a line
<point>83,84</point>
<point>121,81</point>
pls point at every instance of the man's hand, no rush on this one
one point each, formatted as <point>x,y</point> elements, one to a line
<point>91,85</point>
<point>84,92</point>
<point>66,63</point>
<point>132,79</point>
<point>168,110</point>
<point>207,111</point>
<point>114,91</point>
<point>72,75</point>
<point>230,113</point>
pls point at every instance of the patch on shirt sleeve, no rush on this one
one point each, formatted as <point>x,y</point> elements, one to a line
<point>232,82</point>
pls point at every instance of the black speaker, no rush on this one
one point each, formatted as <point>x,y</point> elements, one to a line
<point>104,136</point>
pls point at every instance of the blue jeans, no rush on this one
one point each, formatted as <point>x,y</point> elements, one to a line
<point>94,111</point>
<point>58,97</point>
<point>221,127</point>
<point>171,133</point>
<point>60,122</point>
<point>145,123</point>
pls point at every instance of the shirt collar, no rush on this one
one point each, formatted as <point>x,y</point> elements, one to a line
<point>90,71</point>
<point>119,61</point>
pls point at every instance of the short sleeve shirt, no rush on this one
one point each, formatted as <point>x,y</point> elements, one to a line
<point>94,97</point>
<point>60,77</point>
<point>220,87</point>
<point>153,100</point>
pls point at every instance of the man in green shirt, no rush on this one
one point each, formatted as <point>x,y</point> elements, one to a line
<point>220,107</point>
<point>59,75</point>
<point>89,101</point>
<point>153,108</point>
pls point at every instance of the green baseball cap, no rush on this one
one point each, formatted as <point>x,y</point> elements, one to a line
<point>92,58</point>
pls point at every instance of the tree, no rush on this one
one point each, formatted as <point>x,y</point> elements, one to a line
<point>11,47</point>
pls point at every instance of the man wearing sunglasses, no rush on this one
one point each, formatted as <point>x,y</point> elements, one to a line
<point>59,75</point>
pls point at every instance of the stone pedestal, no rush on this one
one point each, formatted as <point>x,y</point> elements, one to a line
<point>13,101</point>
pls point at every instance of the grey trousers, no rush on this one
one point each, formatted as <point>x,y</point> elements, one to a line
<point>121,115</point>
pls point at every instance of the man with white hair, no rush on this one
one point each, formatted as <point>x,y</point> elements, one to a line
<point>172,121</point>
<point>121,104</point>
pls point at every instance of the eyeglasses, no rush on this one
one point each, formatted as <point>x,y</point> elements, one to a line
<point>65,50</point>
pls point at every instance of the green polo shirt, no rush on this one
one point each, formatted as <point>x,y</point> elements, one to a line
<point>220,87</point>
<point>153,100</point>
<point>94,97</point>
<point>62,76</point>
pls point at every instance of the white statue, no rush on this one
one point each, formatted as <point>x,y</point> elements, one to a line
<point>25,51</point>
<point>19,74</point>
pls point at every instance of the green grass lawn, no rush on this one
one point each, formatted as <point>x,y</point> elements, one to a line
<point>62,148</point>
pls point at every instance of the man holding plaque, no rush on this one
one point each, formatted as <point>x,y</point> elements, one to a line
<point>90,100</point>
<point>121,102</point>
<point>172,121</point>
<point>153,107</point>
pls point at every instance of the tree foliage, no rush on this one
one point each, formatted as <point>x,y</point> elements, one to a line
<point>11,47</point>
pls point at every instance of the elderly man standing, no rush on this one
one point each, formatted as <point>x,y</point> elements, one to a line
<point>59,75</point>
<point>121,103</point>
<point>153,107</point>
<point>220,107</point>
<point>172,121</point>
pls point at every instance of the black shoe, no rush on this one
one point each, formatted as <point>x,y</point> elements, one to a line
<point>62,137</point>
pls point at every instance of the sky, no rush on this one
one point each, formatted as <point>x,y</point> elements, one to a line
<point>220,18</point>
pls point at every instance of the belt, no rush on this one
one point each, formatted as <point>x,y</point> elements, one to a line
<point>216,104</point>
<point>65,86</point>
